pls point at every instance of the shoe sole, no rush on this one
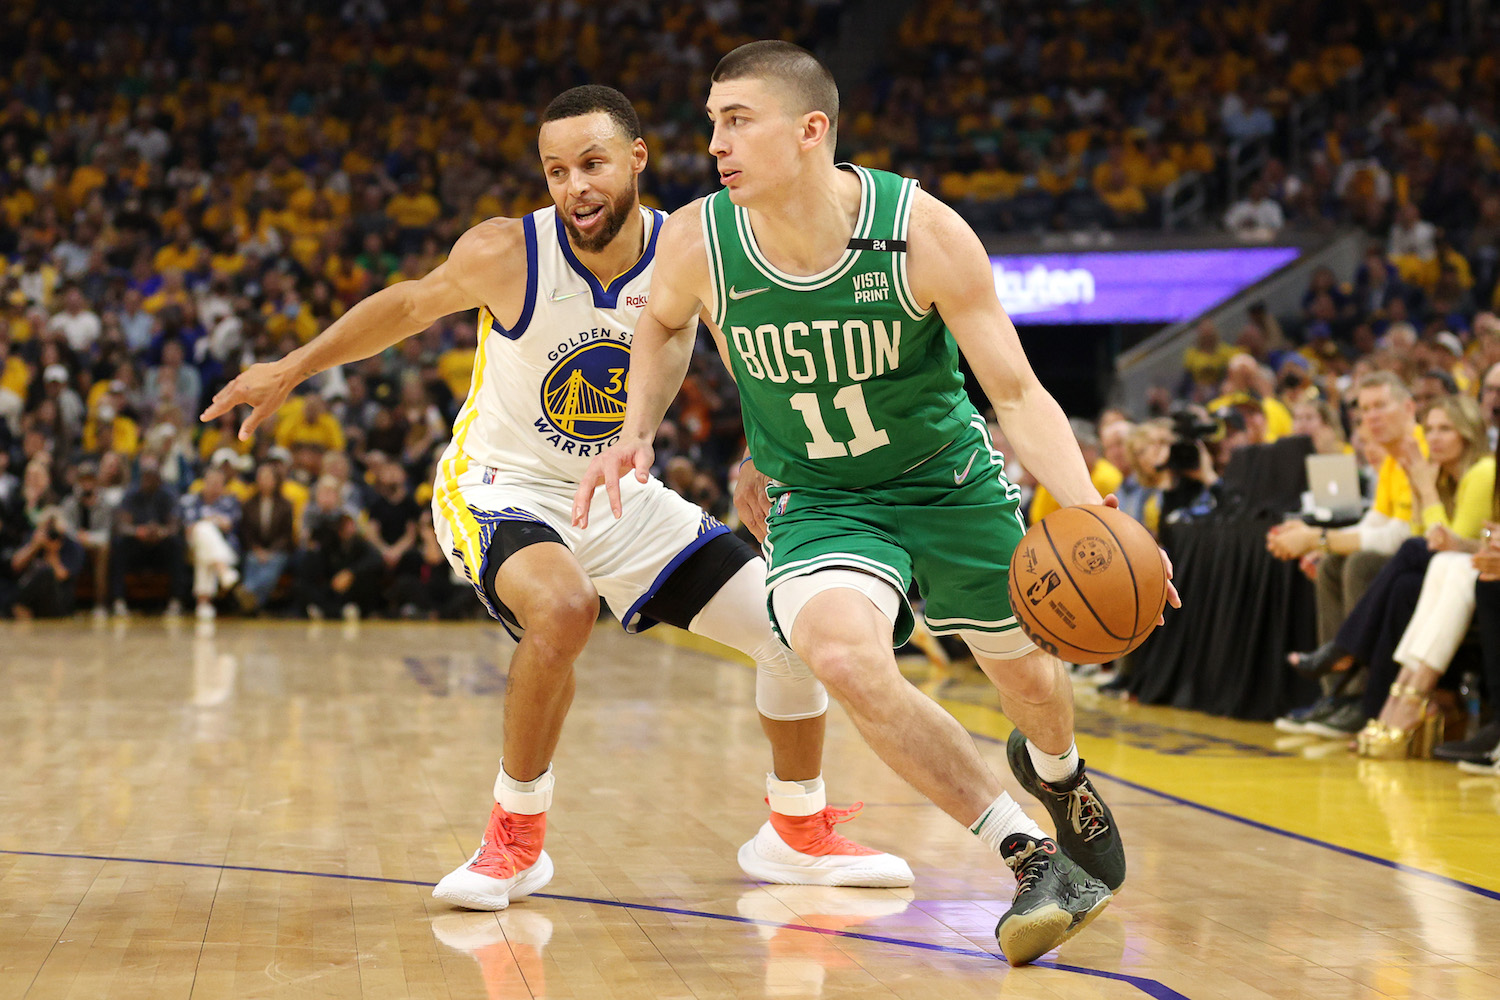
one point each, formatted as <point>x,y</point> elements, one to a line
<point>1087,918</point>
<point>1290,726</point>
<point>852,876</point>
<point>1488,770</point>
<point>1023,940</point>
<point>532,879</point>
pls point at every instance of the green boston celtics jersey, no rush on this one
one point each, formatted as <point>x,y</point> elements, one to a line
<point>844,382</point>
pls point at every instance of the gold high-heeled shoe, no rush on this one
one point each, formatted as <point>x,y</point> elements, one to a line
<point>1382,742</point>
<point>1368,737</point>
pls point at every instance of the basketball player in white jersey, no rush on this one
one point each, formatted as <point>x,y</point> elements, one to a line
<point>558,294</point>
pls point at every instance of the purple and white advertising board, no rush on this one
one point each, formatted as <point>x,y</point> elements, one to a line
<point>1156,286</point>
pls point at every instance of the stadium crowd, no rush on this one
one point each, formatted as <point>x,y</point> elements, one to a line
<point>186,189</point>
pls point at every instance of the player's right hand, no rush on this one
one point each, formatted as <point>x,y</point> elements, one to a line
<point>263,387</point>
<point>750,498</point>
<point>607,468</point>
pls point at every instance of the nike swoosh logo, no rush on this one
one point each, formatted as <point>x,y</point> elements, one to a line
<point>735,293</point>
<point>959,477</point>
<point>558,298</point>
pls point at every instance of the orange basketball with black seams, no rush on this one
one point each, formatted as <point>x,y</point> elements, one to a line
<point>1088,583</point>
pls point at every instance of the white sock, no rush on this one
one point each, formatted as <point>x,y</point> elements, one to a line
<point>796,798</point>
<point>1053,768</point>
<point>1003,818</point>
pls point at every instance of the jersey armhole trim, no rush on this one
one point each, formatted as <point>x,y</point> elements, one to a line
<point>904,293</point>
<point>528,225</point>
<point>717,300</point>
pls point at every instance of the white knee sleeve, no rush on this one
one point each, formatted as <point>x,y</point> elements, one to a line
<point>785,690</point>
<point>1010,645</point>
<point>791,596</point>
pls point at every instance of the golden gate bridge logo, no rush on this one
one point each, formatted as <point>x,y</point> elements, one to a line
<point>584,395</point>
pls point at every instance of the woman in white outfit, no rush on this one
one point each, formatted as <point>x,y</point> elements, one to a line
<point>211,520</point>
<point>1407,724</point>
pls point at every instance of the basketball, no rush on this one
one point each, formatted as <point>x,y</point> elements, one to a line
<point>1087,583</point>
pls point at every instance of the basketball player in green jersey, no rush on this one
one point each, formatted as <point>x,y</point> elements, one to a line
<point>841,297</point>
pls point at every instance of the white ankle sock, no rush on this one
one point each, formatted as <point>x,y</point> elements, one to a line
<point>1053,768</point>
<point>1003,818</point>
<point>796,798</point>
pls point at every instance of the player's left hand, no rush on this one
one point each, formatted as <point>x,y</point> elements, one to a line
<point>1172,596</point>
<point>750,499</point>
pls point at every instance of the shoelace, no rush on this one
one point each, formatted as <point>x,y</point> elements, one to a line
<point>1029,868</point>
<point>831,817</point>
<point>492,853</point>
<point>1086,813</point>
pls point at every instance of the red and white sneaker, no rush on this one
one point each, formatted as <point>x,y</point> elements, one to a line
<point>798,845</point>
<point>509,864</point>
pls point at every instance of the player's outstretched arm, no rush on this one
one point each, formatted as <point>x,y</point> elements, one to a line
<point>659,356</point>
<point>482,269</point>
<point>950,270</point>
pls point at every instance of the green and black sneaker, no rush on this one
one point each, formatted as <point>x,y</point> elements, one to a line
<point>1055,899</point>
<point>1086,829</point>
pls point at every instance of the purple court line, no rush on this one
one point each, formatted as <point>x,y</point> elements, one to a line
<point>1478,890</point>
<point>1150,987</point>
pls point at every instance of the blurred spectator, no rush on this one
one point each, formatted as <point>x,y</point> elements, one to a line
<point>1207,360</point>
<point>39,560</point>
<point>1411,236</point>
<point>46,569</point>
<point>89,512</point>
<point>1146,449</point>
<point>1106,478</point>
<point>69,407</point>
<point>211,520</point>
<point>442,596</point>
<point>1348,559</point>
<point>1257,216</point>
<point>148,534</point>
<point>392,530</point>
<point>340,571</point>
<point>1317,420</point>
<point>174,379</point>
<point>76,323</point>
<point>309,423</point>
<point>1489,403</point>
<point>268,535</point>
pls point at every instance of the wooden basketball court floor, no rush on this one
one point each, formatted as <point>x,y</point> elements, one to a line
<point>260,811</point>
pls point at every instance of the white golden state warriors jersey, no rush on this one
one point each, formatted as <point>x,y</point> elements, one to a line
<point>549,394</point>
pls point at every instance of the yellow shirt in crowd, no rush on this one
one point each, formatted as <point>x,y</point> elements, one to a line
<point>1471,503</point>
<point>1393,492</point>
<point>324,432</point>
<point>1106,479</point>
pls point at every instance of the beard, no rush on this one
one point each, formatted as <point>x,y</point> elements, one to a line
<point>615,213</point>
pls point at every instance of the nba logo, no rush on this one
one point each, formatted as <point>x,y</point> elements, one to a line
<point>489,475</point>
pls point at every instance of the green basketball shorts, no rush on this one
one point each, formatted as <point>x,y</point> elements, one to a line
<point>951,524</point>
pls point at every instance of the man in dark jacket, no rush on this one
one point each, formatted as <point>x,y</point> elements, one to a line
<point>341,571</point>
<point>148,534</point>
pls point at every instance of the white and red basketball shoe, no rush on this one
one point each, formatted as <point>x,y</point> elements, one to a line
<point>509,864</point>
<point>798,845</point>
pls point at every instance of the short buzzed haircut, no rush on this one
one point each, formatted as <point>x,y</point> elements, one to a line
<point>593,98</point>
<point>797,70</point>
<point>1390,380</point>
